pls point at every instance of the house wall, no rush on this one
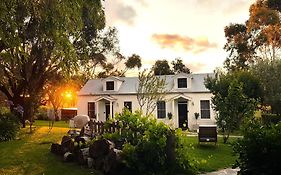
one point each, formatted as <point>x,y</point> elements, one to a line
<point>118,105</point>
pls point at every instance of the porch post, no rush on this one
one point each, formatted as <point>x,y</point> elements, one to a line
<point>173,112</point>
<point>110,110</point>
<point>97,111</point>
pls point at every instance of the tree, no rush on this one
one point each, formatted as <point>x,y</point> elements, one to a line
<point>269,73</point>
<point>235,97</point>
<point>150,90</point>
<point>258,38</point>
<point>39,39</point>
<point>179,67</point>
<point>111,69</point>
<point>162,67</point>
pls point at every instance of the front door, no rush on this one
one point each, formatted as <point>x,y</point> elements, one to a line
<point>107,110</point>
<point>182,113</point>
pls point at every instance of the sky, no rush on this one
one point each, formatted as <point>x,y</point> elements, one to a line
<point>192,30</point>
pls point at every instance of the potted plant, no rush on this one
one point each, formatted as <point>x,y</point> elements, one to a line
<point>170,115</point>
<point>196,114</point>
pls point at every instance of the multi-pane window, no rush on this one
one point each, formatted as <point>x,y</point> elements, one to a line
<point>205,109</point>
<point>128,105</point>
<point>161,109</point>
<point>110,85</point>
<point>91,110</point>
<point>182,82</point>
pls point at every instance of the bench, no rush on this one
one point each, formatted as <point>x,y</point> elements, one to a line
<point>207,133</point>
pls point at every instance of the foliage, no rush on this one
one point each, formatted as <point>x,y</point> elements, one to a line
<point>149,146</point>
<point>150,90</point>
<point>41,113</point>
<point>61,93</point>
<point>268,73</point>
<point>41,39</point>
<point>235,97</point>
<point>259,150</point>
<point>268,119</point>
<point>9,126</point>
<point>162,67</point>
<point>113,68</point>
<point>179,67</point>
<point>258,38</point>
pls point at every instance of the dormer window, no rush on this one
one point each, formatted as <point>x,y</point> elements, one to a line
<point>182,82</point>
<point>110,85</point>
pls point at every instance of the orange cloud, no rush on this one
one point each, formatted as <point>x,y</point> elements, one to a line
<point>174,41</point>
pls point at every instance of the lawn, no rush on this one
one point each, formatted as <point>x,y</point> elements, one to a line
<point>30,153</point>
<point>61,124</point>
<point>209,156</point>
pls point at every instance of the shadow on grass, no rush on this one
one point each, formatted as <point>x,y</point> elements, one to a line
<point>207,146</point>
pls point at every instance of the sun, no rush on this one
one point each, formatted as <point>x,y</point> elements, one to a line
<point>68,94</point>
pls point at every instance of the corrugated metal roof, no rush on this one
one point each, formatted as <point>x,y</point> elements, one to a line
<point>130,84</point>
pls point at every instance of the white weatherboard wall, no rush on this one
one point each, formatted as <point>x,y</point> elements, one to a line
<point>118,105</point>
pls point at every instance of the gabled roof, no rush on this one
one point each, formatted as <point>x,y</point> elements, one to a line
<point>112,78</point>
<point>130,84</point>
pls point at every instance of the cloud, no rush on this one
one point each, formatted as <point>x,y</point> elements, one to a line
<point>174,41</point>
<point>119,11</point>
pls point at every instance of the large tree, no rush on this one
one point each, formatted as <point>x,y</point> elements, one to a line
<point>269,73</point>
<point>162,67</point>
<point>39,39</point>
<point>235,97</point>
<point>179,67</point>
<point>258,38</point>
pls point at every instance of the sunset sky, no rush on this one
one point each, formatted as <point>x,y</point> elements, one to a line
<point>166,29</point>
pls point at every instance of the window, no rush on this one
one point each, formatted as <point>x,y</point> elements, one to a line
<point>161,109</point>
<point>182,82</point>
<point>205,109</point>
<point>128,105</point>
<point>110,85</point>
<point>91,110</point>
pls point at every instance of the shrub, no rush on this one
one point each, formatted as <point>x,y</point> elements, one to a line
<point>9,126</point>
<point>41,113</point>
<point>270,118</point>
<point>259,151</point>
<point>150,147</point>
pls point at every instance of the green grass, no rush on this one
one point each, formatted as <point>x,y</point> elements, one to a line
<point>61,124</point>
<point>208,156</point>
<point>30,155</point>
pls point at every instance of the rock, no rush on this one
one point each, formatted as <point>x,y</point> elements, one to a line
<point>68,157</point>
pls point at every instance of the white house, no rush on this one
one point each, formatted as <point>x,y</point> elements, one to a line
<point>186,95</point>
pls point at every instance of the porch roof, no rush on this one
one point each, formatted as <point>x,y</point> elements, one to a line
<point>108,98</point>
<point>181,96</point>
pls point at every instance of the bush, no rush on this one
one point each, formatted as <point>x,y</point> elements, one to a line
<point>9,126</point>
<point>260,149</point>
<point>270,118</point>
<point>150,147</point>
<point>41,113</point>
